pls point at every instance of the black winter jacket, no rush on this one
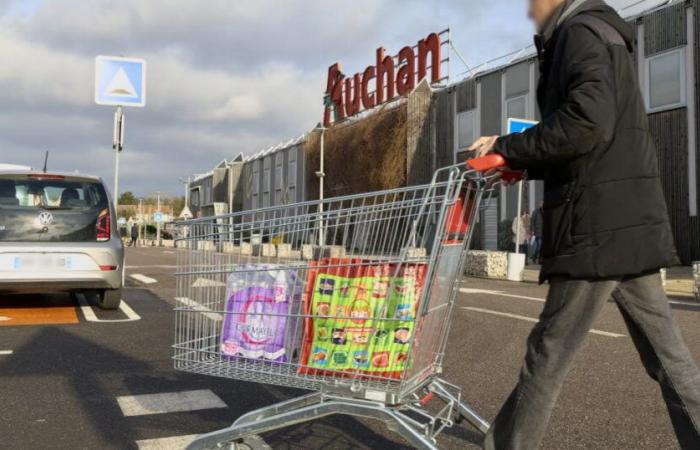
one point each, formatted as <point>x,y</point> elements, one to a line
<point>604,209</point>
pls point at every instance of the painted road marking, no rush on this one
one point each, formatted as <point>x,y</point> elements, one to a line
<point>169,252</point>
<point>5,352</point>
<point>143,278</point>
<point>141,405</point>
<point>153,266</point>
<point>39,310</point>
<point>168,443</point>
<point>90,315</point>
<point>206,282</point>
<point>542,300</point>
<point>206,312</point>
<point>535,320</point>
<point>181,442</point>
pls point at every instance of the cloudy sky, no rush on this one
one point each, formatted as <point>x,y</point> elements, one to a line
<point>224,76</point>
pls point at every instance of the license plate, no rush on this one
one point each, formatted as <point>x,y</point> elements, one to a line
<point>42,262</point>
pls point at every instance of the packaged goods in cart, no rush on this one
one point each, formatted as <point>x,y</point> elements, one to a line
<point>361,317</point>
<point>260,320</point>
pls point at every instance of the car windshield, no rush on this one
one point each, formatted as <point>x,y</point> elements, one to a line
<point>49,193</point>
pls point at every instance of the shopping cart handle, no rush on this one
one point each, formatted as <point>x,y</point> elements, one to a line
<point>495,161</point>
<point>488,162</point>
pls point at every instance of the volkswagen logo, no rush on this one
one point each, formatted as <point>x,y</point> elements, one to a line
<point>45,218</point>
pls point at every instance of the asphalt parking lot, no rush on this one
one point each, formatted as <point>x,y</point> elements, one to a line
<point>76,377</point>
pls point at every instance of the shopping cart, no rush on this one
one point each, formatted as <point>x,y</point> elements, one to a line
<point>349,297</point>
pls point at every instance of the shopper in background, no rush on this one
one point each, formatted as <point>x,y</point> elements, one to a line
<point>134,235</point>
<point>521,237</point>
<point>606,230</point>
<point>536,226</point>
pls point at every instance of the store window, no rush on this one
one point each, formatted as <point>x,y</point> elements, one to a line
<point>666,80</point>
<point>466,128</point>
<point>516,107</point>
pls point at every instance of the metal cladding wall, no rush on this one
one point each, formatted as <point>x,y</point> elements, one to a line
<point>466,95</point>
<point>491,105</point>
<point>670,132</point>
<point>272,179</point>
<point>443,108</point>
<point>664,30</point>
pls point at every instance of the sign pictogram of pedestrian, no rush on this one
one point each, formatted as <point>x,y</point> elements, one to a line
<point>120,81</point>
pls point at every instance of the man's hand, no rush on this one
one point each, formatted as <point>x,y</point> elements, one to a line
<point>483,146</point>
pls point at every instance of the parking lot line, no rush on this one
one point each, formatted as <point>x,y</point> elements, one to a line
<point>141,405</point>
<point>5,352</point>
<point>542,300</point>
<point>207,312</point>
<point>166,443</point>
<point>143,278</point>
<point>90,315</point>
<point>535,320</point>
<point>181,442</point>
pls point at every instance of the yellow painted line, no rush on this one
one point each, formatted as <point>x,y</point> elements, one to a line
<point>535,320</point>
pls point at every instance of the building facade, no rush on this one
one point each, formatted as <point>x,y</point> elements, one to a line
<point>433,125</point>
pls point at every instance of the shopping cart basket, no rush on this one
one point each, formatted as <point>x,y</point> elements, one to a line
<point>348,297</point>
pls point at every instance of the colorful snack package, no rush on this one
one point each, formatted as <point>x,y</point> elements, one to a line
<point>261,308</point>
<point>362,317</point>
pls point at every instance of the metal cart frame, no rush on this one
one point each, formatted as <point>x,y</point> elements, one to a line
<point>421,229</point>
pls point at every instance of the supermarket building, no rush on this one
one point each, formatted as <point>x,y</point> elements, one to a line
<point>422,118</point>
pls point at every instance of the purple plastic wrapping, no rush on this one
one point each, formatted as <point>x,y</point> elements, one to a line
<point>260,322</point>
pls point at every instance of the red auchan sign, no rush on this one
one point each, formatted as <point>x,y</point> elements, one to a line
<point>391,76</point>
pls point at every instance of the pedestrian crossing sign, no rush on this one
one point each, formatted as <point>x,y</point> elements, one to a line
<point>120,81</point>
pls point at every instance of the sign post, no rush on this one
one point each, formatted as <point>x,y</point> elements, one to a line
<point>518,126</point>
<point>119,82</point>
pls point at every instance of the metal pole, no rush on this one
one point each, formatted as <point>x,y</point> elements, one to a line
<point>321,175</point>
<point>141,236</point>
<point>117,146</point>
<point>519,217</point>
<point>158,222</point>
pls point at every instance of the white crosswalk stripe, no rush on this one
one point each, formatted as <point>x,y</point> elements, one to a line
<point>141,405</point>
<point>143,278</point>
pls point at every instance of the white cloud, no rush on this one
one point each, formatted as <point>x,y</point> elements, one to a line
<point>224,76</point>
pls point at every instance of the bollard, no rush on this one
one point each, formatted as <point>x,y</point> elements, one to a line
<point>696,280</point>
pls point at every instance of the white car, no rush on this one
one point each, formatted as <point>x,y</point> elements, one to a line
<point>58,234</point>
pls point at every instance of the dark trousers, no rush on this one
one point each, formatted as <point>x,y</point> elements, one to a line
<point>569,312</point>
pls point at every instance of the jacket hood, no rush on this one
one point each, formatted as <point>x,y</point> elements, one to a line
<point>602,11</point>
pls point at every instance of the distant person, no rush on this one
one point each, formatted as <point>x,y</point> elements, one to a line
<point>536,227</point>
<point>606,231</point>
<point>134,236</point>
<point>522,237</point>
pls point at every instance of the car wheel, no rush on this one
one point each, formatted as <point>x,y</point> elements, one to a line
<point>109,299</point>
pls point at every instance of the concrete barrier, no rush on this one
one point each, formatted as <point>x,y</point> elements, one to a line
<point>167,243</point>
<point>314,252</point>
<point>267,250</point>
<point>205,245</point>
<point>485,264</point>
<point>246,249</point>
<point>284,250</point>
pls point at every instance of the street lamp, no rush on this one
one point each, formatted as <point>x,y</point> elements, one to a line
<point>321,175</point>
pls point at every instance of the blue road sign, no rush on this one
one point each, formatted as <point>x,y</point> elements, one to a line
<point>158,217</point>
<point>120,81</point>
<point>519,125</point>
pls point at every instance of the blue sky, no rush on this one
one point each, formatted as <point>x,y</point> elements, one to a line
<point>224,76</point>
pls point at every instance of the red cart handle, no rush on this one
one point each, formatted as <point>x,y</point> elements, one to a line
<point>495,161</point>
